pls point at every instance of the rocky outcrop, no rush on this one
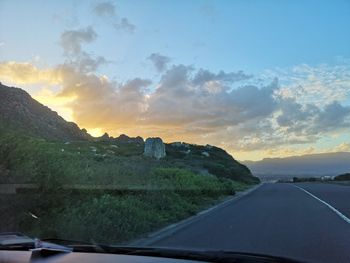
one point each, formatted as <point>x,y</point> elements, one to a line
<point>104,138</point>
<point>126,139</point>
<point>206,154</point>
<point>155,148</point>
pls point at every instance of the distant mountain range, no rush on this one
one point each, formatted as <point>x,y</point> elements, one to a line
<point>20,112</point>
<point>306,165</point>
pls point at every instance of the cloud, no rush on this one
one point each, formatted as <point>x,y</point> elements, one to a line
<point>310,119</point>
<point>342,147</point>
<point>72,40</point>
<point>176,102</point>
<point>125,25</point>
<point>94,100</point>
<point>333,116</point>
<point>26,73</point>
<point>184,104</point>
<point>104,9</point>
<point>198,105</point>
<point>203,76</point>
<point>107,11</point>
<point>182,101</point>
<point>159,61</point>
<point>102,103</point>
<point>319,85</point>
<point>87,63</point>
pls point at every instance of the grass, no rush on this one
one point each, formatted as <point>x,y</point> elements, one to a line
<point>175,187</point>
<point>120,218</point>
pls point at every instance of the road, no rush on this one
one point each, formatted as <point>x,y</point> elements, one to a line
<point>276,219</point>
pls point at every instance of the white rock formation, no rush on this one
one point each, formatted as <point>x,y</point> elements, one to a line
<point>155,148</point>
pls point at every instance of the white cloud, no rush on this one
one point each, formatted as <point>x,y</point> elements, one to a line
<point>318,85</point>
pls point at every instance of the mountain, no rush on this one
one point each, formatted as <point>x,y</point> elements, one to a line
<point>20,112</point>
<point>305,165</point>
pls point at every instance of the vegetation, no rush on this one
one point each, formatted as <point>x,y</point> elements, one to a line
<point>305,179</point>
<point>342,177</point>
<point>119,218</point>
<point>159,192</point>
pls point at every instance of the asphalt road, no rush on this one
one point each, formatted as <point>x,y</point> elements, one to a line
<point>276,219</point>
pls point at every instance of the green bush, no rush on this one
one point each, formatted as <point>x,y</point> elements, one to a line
<point>181,179</point>
<point>111,219</point>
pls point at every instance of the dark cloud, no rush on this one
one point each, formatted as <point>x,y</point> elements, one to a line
<point>310,119</point>
<point>159,61</point>
<point>206,103</point>
<point>294,113</point>
<point>333,116</point>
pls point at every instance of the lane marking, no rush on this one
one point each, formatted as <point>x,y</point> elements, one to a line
<point>341,215</point>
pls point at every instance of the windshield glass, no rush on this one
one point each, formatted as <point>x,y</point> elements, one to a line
<point>199,124</point>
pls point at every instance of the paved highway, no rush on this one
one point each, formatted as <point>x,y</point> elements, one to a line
<point>305,221</point>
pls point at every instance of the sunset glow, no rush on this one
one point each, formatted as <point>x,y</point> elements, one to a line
<point>119,72</point>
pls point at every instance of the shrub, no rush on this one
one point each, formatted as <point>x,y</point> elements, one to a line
<point>183,180</point>
<point>342,177</point>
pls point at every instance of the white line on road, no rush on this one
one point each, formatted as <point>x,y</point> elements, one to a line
<point>342,216</point>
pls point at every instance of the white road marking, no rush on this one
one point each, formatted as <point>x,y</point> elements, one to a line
<point>342,216</point>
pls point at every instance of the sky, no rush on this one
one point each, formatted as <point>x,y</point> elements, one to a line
<point>257,78</point>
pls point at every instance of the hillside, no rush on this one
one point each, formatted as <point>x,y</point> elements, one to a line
<point>20,112</point>
<point>68,177</point>
<point>305,165</point>
<point>26,117</point>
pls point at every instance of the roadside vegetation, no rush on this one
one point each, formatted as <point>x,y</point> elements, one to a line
<point>342,177</point>
<point>144,194</point>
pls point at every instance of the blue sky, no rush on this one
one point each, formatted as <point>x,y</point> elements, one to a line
<point>229,35</point>
<point>302,43</point>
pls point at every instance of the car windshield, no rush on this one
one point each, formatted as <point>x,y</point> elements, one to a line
<point>206,125</point>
